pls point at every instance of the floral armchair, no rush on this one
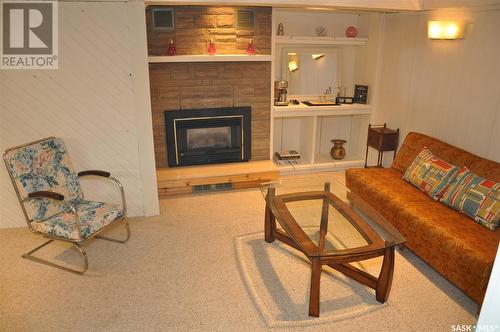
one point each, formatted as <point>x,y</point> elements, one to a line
<point>52,200</point>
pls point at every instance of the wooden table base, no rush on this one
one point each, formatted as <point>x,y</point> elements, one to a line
<point>381,285</point>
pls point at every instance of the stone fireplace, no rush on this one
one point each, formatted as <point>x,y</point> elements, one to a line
<point>178,87</point>
<point>208,136</point>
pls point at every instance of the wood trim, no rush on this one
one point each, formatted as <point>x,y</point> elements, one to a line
<point>356,274</point>
<point>46,194</point>
<point>94,172</point>
<point>209,58</point>
<point>293,229</point>
<point>283,237</point>
<point>180,180</point>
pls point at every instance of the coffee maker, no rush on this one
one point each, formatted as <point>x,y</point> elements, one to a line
<point>280,91</point>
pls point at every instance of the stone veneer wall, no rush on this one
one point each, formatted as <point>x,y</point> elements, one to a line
<point>195,26</point>
<point>177,86</point>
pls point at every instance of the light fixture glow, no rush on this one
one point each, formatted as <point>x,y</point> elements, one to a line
<point>317,56</point>
<point>445,30</point>
<point>293,66</point>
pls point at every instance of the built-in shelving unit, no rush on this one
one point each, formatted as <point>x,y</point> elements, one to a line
<point>209,58</point>
<point>309,129</point>
<point>308,40</point>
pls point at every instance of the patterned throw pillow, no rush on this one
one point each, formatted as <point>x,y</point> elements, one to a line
<point>430,174</point>
<point>476,197</point>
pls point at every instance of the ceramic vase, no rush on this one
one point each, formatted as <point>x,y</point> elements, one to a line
<point>211,48</point>
<point>171,48</point>
<point>351,32</point>
<point>338,151</point>
<point>250,48</point>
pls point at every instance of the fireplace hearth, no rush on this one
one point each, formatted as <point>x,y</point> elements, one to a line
<point>208,136</point>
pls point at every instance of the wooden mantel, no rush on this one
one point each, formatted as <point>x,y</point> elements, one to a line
<point>181,180</point>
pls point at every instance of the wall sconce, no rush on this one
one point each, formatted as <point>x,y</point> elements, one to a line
<point>317,56</point>
<point>293,62</point>
<point>293,66</point>
<point>445,30</point>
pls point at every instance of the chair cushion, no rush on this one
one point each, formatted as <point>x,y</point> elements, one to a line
<point>93,216</point>
<point>476,197</point>
<point>43,166</point>
<point>430,174</point>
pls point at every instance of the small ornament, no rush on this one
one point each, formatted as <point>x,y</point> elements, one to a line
<point>171,48</point>
<point>321,31</point>
<point>250,48</point>
<point>351,32</point>
<point>211,48</point>
<point>281,30</point>
<point>338,151</point>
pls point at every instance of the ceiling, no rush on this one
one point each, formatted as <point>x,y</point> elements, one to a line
<point>372,5</point>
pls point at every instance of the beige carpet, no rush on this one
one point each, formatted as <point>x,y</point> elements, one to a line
<point>203,266</point>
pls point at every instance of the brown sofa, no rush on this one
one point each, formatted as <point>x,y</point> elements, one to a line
<point>452,243</point>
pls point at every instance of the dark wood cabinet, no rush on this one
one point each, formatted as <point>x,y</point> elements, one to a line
<point>381,139</point>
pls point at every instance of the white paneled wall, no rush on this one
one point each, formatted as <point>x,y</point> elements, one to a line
<point>97,101</point>
<point>446,89</point>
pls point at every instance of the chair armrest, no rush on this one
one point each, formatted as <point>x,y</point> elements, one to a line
<point>108,176</point>
<point>46,194</point>
<point>58,197</point>
<point>95,172</point>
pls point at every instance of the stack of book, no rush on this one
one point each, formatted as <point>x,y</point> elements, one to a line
<point>290,157</point>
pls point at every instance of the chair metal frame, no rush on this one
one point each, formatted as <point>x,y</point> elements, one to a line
<point>77,243</point>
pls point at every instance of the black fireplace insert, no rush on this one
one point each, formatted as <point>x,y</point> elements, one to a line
<point>208,136</point>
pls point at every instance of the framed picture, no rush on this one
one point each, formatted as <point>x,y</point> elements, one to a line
<point>360,94</point>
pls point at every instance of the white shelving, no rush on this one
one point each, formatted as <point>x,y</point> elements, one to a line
<point>209,58</point>
<point>308,40</point>
<point>309,131</point>
<point>304,110</point>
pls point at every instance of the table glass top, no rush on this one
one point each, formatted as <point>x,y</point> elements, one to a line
<point>342,229</point>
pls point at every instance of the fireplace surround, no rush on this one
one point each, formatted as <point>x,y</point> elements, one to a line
<point>208,136</point>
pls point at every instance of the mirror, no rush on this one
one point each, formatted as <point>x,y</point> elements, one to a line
<point>311,71</point>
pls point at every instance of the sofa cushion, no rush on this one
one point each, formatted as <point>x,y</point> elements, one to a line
<point>462,250</point>
<point>486,168</point>
<point>430,174</point>
<point>374,185</point>
<point>415,142</point>
<point>477,197</point>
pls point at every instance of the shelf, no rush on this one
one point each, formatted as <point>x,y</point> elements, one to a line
<point>323,163</point>
<point>304,110</point>
<point>323,160</point>
<point>308,40</point>
<point>209,58</point>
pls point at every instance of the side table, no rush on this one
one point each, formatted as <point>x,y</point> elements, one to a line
<point>381,139</point>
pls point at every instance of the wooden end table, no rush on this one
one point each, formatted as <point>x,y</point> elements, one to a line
<point>308,219</point>
<point>381,139</point>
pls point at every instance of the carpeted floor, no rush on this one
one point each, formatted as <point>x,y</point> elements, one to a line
<point>203,265</point>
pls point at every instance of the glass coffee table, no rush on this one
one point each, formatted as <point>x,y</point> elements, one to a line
<point>316,216</point>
